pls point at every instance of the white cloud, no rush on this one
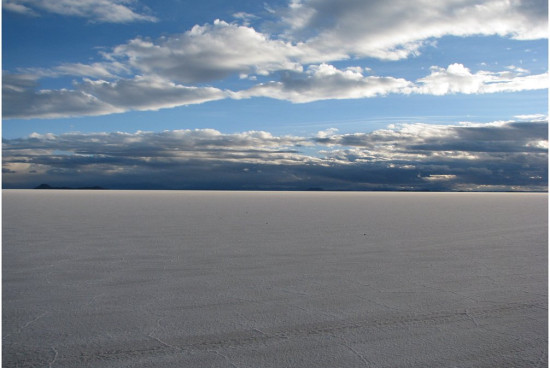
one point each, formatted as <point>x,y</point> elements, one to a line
<point>149,93</point>
<point>18,8</point>
<point>456,78</point>
<point>245,18</point>
<point>517,69</point>
<point>110,69</point>
<point>164,73</point>
<point>382,29</point>
<point>437,177</point>
<point>21,99</point>
<point>532,117</point>
<point>322,82</point>
<point>327,133</point>
<point>209,52</point>
<point>332,29</point>
<point>108,11</point>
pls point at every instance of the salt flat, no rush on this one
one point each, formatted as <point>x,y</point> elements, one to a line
<point>274,279</point>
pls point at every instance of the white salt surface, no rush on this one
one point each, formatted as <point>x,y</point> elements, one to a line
<point>274,279</point>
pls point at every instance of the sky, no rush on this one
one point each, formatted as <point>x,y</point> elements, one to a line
<point>276,95</point>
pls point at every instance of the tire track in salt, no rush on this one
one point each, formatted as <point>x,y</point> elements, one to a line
<point>210,343</point>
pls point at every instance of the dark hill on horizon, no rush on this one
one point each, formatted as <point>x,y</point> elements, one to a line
<point>47,186</point>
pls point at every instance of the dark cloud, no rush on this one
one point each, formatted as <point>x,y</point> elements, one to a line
<point>417,138</point>
<point>512,137</point>
<point>497,156</point>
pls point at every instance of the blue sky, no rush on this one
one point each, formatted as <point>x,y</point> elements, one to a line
<point>125,74</point>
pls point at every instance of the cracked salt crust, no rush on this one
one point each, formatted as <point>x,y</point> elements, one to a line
<point>237,279</point>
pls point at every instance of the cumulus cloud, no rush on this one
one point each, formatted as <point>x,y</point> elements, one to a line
<point>467,156</point>
<point>106,11</point>
<point>397,29</point>
<point>322,82</point>
<point>209,52</point>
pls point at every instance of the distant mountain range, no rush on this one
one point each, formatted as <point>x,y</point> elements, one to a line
<point>47,186</point>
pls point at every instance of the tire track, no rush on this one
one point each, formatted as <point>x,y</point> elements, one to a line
<point>250,337</point>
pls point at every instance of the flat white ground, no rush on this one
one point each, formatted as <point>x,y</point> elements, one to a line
<point>274,279</point>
